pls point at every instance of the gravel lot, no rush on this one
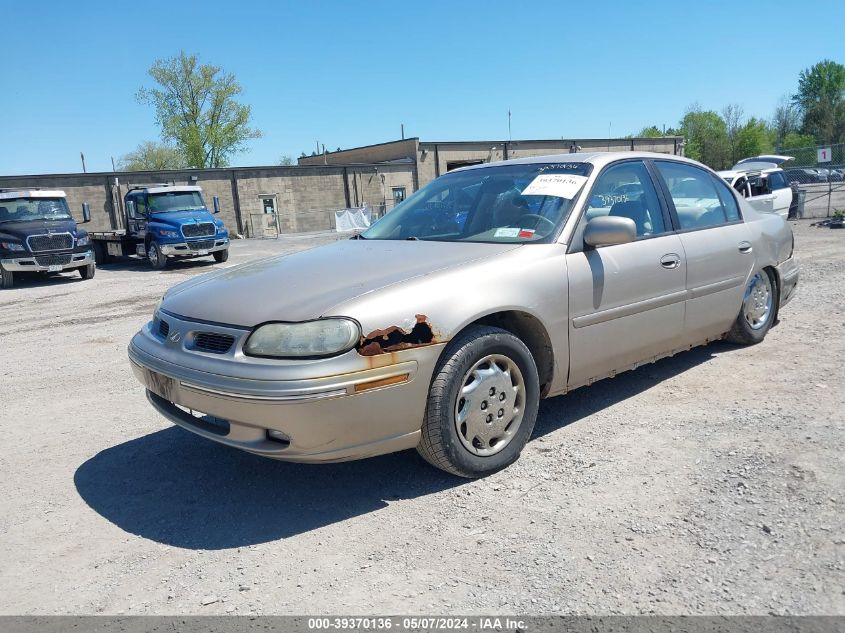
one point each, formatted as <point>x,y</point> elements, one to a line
<point>711,482</point>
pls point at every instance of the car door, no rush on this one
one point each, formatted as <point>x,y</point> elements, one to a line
<point>717,244</point>
<point>781,193</point>
<point>626,301</point>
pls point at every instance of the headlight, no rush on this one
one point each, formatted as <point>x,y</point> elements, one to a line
<point>167,233</point>
<point>83,240</point>
<point>323,337</point>
<point>12,246</point>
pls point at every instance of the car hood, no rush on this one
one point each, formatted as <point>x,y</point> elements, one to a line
<point>306,285</point>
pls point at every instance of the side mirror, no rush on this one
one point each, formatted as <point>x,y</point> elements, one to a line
<point>608,230</point>
<point>130,208</point>
<point>86,212</point>
<point>216,202</point>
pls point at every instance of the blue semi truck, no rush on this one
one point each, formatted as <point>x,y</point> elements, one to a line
<point>162,222</point>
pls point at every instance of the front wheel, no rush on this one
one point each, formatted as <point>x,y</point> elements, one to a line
<point>7,278</point>
<point>221,256</point>
<point>758,310</point>
<point>157,259</point>
<point>482,403</point>
<point>87,272</point>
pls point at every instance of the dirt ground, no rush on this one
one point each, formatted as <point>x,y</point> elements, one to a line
<point>711,482</point>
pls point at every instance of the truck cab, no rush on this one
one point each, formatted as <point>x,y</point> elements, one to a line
<point>164,222</point>
<point>39,235</point>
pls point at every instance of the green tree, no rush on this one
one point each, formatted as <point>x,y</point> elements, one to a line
<point>652,131</point>
<point>821,97</point>
<point>706,137</point>
<point>152,156</point>
<point>802,147</point>
<point>286,160</point>
<point>752,139</point>
<point>196,109</point>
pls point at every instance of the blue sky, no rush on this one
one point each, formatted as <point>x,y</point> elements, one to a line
<point>349,73</point>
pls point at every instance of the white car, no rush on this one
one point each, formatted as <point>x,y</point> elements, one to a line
<point>762,183</point>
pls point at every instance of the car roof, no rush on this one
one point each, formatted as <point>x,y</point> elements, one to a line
<point>598,159</point>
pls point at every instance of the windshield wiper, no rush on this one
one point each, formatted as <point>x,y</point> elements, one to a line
<point>412,238</point>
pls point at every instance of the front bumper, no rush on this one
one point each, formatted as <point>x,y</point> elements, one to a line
<point>198,248</point>
<point>48,262</point>
<point>327,410</point>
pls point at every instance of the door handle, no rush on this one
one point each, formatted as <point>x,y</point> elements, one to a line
<point>670,261</point>
<point>745,247</point>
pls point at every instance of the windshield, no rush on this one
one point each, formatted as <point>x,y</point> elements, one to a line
<point>175,201</point>
<point>506,204</point>
<point>25,209</point>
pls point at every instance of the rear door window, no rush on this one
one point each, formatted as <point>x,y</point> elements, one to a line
<point>693,192</point>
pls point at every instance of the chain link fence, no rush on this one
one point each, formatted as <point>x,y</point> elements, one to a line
<point>817,176</point>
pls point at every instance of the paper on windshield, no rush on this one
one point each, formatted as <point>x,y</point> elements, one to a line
<point>558,185</point>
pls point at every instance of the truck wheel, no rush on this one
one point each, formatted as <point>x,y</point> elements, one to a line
<point>87,272</point>
<point>157,259</point>
<point>221,256</point>
<point>7,278</point>
<point>101,255</point>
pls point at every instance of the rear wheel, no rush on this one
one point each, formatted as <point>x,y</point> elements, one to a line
<point>101,255</point>
<point>87,272</point>
<point>758,310</point>
<point>482,403</point>
<point>157,259</point>
<point>221,256</point>
<point>7,278</point>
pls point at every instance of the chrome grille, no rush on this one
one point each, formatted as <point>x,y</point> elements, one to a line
<point>163,328</point>
<point>198,230</point>
<point>201,245</point>
<point>54,242</point>
<point>53,260</point>
<point>213,342</point>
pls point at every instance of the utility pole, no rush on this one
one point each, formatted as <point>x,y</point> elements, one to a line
<point>509,124</point>
<point>402,125</point>
<point>82,156</point>
<point>112,164</point>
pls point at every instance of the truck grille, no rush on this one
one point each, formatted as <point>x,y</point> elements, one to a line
<point>198,230</point>
<point>201,245</point>
<point>55,242</point>
<point>213,342</point>
<point>53,260</point>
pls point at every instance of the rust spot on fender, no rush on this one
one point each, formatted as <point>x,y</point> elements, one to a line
<point>394,338</point>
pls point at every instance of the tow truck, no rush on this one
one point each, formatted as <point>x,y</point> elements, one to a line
<point>39,235</point>
<point>162,222</point>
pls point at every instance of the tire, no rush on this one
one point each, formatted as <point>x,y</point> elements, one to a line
<point>7,278</point>
<point>469,359</point>
<point>154,254</point>
<point>757,314</point>
<point>101,255</point>
<point>221,256</point>
<point>87,272</point>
